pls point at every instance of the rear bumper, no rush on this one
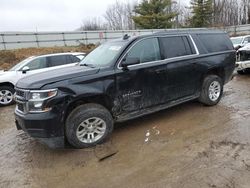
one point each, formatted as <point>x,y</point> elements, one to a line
<point>46,127</point>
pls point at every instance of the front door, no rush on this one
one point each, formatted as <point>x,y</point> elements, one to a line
<point>138,85</point>
<point>36,65</point>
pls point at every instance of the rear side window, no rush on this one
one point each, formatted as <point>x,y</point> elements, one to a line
<point>57,60</point>
<point>69,59</point>
<point>215,42</point>
<point>176,46</point>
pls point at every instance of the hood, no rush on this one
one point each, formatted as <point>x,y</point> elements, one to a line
<point>245,48</point>
<point>8,76</point>
<point>2,72</point>
<point>36,81</point>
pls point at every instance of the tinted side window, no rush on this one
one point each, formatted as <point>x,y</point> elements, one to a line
<point>69,60</point>
<point>146,50</point>
<point>215,42</point>
<point>37,63</point>
<point>74,59</point>
<point>57,60</point>
<point>247,40</point>
<point>175,46</point>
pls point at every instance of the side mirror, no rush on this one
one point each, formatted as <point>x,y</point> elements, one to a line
<point>130,61</point>
<point>25,69</point>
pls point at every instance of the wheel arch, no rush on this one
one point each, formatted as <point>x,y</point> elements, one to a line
<point>7,84</point>
<point>100,99</point>
<point>218,71</point>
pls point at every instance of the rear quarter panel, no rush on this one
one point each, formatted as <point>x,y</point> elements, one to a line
<point>217,54</point>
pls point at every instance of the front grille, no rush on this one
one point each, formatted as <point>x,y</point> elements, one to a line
<point>244,56</point>
<point>20,93</point>
<point>21,98</point>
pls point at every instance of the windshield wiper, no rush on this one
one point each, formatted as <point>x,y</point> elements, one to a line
<point>87,65</point>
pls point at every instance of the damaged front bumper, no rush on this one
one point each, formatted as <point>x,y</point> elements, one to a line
<point>242,65</point>
<point>44,127</point>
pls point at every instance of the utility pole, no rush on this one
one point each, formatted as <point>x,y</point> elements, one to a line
<point>214,16</point>
<point>248,12</point>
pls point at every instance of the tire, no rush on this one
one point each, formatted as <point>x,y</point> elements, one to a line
<point>81,130</point>
<point>6,95</point>
<point>241,72</point>
<point>212,90</point>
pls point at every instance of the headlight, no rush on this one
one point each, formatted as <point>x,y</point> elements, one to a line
<point>42,94</point>
<point>37,99</point>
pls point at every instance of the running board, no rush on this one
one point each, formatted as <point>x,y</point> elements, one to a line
<point>143,112</point>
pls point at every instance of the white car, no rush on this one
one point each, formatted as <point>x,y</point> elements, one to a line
<point>243,59</point>
<point>240,41</point>
<point>32,65</point>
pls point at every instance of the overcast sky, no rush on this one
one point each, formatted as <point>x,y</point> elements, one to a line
<point>49,15</point>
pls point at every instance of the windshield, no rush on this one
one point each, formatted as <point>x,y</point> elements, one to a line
<point>103,55</point>
<point>21,64</point>
<point>236,40</point>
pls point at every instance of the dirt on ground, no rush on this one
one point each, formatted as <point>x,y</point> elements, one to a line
<point>187,146</point>
<point>8,58</point>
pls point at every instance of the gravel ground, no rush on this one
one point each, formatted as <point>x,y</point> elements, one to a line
<point>187,146</point>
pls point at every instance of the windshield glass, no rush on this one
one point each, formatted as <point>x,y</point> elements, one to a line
<point>104,54</point>
<point>236,40</point>
<point>21,64</point>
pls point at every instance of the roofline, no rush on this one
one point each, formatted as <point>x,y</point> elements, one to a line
<point>240,36</point>
<point>190,31</point>
<point>174,32</point>
<point>63,53</point>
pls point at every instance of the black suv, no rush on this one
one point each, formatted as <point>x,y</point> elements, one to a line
<point>121,80</point>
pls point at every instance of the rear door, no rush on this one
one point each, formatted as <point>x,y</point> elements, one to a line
<point>181,75</point>
<point>57,60</point>
<point>60,61</point>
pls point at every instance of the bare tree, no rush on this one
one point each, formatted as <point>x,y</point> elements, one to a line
<point>231,12</point>
<point>225,13</point>
<point>119,16</point>
<point>92,24</point>
<point>183,13</point>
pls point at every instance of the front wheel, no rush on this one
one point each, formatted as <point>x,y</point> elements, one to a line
<point>88,125</point>
<point>6,95</point>
<point>212,90</point>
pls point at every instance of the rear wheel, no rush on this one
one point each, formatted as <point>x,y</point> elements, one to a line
<point>212,90</point>
<point>88,125</point>
<point>6,95</point>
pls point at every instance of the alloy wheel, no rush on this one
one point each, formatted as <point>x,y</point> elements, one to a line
<point>91,130</point>
<point>6,97</point>
<point>214,90</point>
